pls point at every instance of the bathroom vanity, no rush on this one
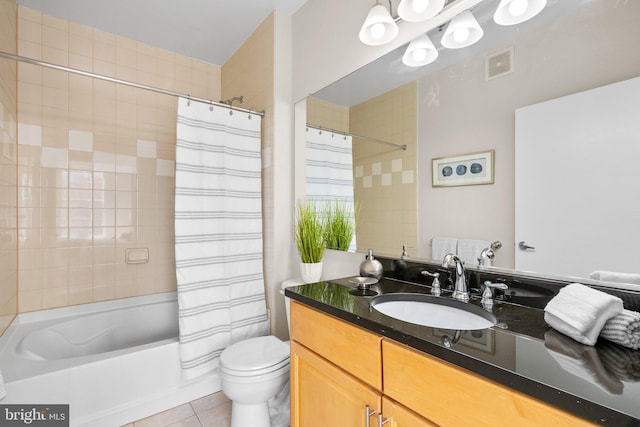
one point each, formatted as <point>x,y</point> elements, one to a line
<point>351,365</point>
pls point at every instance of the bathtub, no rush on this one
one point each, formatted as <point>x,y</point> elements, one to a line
<point>113,362</point>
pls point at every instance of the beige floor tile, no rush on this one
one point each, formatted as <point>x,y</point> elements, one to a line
<point>208,402</point>
<point>219,416</point>
<point>165,418</point>
<point>187,422</point>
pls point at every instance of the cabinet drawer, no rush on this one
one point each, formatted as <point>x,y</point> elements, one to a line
<point>351,348</point>
<point>451,396</point>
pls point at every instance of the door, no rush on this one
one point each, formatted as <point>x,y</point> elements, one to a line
<point>577,189</point>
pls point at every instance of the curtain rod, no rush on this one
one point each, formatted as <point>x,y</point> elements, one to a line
<point>366,138</point>
<point>124,82</point>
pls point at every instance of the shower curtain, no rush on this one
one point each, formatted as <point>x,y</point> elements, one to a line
<point>218,227</point>
<point>329,169</point>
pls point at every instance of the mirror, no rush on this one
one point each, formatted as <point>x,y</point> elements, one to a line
<point>463,103</point>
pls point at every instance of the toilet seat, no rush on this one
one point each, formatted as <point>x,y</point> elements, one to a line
<point>254,357</point>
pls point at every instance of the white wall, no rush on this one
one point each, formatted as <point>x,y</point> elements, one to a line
<point>280,253</point>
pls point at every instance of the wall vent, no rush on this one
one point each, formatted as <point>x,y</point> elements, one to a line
<point>499,64</point>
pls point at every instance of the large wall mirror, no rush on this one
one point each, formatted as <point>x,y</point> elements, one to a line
<point>466,102</point>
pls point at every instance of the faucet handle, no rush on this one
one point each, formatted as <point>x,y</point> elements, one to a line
<point>435,285</point>
<point>487,295</point>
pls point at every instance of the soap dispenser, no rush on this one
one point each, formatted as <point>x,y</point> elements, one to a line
<point>371,267</point>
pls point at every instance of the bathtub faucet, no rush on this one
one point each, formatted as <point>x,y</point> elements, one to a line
<point>460,290</point>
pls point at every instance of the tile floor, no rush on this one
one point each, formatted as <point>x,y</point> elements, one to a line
<point>209,411</point>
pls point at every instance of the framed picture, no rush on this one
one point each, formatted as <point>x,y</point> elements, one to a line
<point>467,169</point>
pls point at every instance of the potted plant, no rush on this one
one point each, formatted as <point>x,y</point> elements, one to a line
<point>340,225</point>
<point>310,236</point>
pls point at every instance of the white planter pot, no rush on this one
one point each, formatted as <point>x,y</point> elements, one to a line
<point>311,272</point>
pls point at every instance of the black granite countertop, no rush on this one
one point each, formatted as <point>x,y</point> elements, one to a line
<point>599,383</point>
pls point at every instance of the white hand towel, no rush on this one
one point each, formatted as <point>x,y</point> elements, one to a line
<point>440,246</point>
<point>623,329</point>
<point>580,312</point>
<point>616,279</point>
<point>469,250</point>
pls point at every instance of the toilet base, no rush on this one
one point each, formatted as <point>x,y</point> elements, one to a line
<point>254,415</point>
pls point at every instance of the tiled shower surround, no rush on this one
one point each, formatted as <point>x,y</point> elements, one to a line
<point>96,162</point>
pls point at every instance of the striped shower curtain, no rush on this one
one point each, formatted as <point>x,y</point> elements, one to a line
<point>329,169</point>
<point>218,227</point>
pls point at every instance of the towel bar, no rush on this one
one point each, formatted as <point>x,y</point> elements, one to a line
<point>495,245</point>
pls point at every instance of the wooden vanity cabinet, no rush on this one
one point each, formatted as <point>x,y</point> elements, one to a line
<point>336,375</point>
<point>340,371</point>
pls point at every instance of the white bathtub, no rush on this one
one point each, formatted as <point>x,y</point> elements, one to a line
<point>112,362</point>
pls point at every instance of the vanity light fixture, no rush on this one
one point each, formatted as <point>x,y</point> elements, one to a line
<point>420,51</point>
<point>379,27</point>
<point>511,12</point>
<point>419,10</point>
<point>463,30</point>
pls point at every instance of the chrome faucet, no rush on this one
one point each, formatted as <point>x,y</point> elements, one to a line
<point>460,290</point>
<point>486,256</point>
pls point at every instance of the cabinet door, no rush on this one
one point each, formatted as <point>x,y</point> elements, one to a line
<point>399,416</point>
<point>323,395</point>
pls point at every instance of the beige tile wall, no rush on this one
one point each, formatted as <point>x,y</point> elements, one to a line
<point>327,115</point>
<point>385,181</point>
<point>250,73</point>
<point>8,160</point>
<point>96,162</point>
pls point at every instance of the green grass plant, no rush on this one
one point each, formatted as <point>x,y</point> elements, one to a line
<point>310,232</point>
<point>339,225</point>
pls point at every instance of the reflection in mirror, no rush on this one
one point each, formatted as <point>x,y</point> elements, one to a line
<point>381,172</point>
<point>458,105</point>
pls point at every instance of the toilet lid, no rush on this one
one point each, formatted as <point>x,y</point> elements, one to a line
<point>255,354</point>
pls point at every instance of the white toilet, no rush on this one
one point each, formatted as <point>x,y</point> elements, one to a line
<point>254,373</point>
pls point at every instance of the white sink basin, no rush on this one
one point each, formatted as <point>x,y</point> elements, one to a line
<point>435,312</point>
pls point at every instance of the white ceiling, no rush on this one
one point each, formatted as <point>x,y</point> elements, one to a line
<point>209,30</point>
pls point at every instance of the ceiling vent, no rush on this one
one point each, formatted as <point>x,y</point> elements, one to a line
<point>499,64</point>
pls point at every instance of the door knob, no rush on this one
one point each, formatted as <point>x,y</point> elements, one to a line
<point>523,246</point>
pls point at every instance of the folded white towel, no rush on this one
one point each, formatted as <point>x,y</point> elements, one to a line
<point>440,246</point>
<point>629,281</point>
<point>469,250</point>
<point>580,312</point>
<point>623,329</point>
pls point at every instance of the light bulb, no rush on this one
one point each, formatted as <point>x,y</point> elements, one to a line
<point>377,31</point>
<point>419,6</point>
<point>518,7</point>
<point>419,55</point>
<point>461,34</point>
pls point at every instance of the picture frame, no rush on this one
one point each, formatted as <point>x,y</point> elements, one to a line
<point>466,169</point>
